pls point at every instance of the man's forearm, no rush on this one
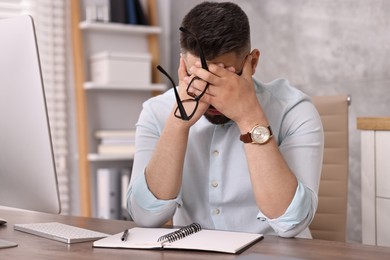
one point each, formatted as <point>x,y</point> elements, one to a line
<point>274,184</point>
<point>164,171</point>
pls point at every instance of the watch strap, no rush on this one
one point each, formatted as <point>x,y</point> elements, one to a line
<point>246,138</point>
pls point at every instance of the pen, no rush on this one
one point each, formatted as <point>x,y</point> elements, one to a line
<point>125,234</point>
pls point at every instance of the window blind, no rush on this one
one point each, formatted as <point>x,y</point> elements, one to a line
<point>51,20</point>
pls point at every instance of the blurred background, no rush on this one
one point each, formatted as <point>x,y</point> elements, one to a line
<point>323,47</point>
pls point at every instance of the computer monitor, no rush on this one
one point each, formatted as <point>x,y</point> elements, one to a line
<point>28,177</point>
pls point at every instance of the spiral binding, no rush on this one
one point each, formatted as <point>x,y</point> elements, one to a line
<point>181,233</point>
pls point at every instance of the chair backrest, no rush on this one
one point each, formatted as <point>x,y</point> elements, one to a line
<point>330,221</point>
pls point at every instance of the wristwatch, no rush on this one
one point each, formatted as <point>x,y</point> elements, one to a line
<point>258,135</point>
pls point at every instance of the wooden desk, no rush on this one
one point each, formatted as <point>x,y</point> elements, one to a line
<point>33,247</point>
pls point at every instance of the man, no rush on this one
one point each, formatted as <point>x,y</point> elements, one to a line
<point>225,150</point>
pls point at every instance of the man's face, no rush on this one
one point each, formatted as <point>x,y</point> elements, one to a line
<point>229,60</point>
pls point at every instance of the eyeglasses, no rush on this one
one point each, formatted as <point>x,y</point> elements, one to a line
<point>186,108</point>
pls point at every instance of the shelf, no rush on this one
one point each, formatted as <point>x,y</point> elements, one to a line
<point>118,27</point>
<point>94,157</point>
<point>101,106</point>
<point>95,86</point>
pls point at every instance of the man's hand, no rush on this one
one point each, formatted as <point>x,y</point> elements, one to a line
<point>184,81</point>
<point>231,94</point>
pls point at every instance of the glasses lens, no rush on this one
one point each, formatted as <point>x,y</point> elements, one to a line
<point>190,106</point>
<point>197,88</point>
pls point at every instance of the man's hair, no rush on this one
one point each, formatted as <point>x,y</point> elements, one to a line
<point>220,28</point>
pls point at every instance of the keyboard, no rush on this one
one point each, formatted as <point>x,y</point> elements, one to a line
<point>60,232</point>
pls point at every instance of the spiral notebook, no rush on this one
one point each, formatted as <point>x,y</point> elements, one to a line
<point>191,237</point>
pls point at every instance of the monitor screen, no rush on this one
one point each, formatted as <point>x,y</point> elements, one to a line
<point>27,169</point>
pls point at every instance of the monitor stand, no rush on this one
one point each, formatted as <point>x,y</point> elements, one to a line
<point>2,221</point>
<point>4,243</point>
<point>7,244</point>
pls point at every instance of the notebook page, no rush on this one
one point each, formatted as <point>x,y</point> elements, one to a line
<point>206,240</point>
<point>137,238</point>
<point>216,240</point>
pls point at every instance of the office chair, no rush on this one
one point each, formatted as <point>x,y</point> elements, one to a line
<point>330,220</point>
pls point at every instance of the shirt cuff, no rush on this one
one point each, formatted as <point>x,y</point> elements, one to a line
<point>296,212</point>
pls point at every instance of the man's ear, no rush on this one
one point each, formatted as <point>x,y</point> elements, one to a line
<point>255,59</point>
<point>183,55</point>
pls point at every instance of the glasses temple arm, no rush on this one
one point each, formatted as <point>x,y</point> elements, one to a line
<point>201,54</point>
<point>178,101</point>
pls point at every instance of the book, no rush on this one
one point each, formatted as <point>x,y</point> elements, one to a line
<point>135,13</point>
<point>108,193</point>
<point>115,142</point>
<point>116,149</point>
<point>118,141</point>
<point>115,134</point>
<point>141,17</point>
<point>191,237</point>
<point>118,13</point>
<point>132,12</point>
<point>125,180</point>
<point>97,10</point>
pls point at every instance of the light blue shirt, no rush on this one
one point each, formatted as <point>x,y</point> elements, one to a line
<point>216,191</point>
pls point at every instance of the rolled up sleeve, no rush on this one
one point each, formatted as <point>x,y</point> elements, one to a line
<point>297,216</point>
<point>145,209</point>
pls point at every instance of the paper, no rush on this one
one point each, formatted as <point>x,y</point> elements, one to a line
<point>207,240</point>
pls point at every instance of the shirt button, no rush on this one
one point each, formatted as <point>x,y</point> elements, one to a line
<point>262,219</point>
<point>215,153</point>
<point>214,184</point>
<point>216,211</point>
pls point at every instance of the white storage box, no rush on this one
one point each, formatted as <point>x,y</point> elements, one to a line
<point>133,69</point>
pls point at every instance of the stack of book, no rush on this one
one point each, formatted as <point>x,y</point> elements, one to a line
<point>128,11</point>
<point>133,12</point>
<point>112,184</point>
<point>116,142</point>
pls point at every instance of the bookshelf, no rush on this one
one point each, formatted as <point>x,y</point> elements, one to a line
<point>107,106</point>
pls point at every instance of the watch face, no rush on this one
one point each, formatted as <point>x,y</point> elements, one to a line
<point>260,134</point>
